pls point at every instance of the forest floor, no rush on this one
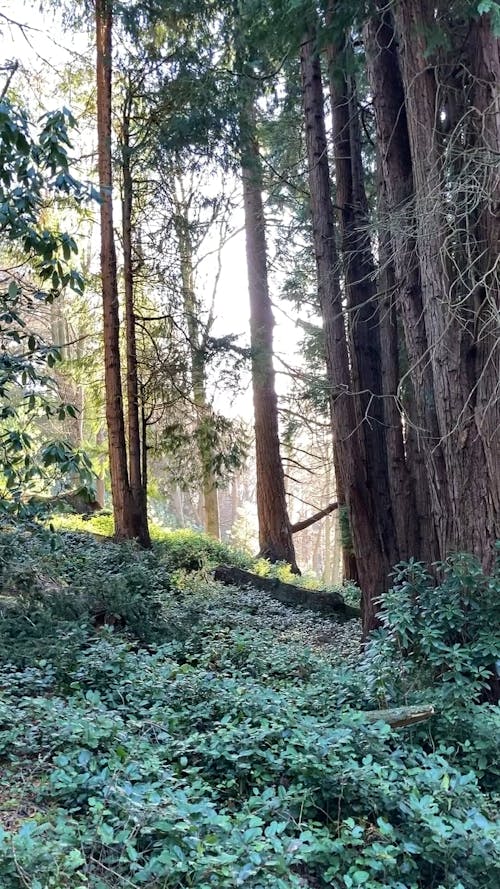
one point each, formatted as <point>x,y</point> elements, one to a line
<point>160,730</point>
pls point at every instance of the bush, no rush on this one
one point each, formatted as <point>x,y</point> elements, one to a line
<point>439,643</point>
<point>229,753</point>
<point>58,590</point>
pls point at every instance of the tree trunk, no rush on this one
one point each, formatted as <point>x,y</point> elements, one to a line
<point>423,451</point>
<point>135,456</point>
<point>454,320</point>
<point>349,566</point>
<point>120,488</point>
<point>288,593</point>
<point>359,276</point>
<point>401,481</point>
<point>100,486</point>
<point>371,558</point>
<point>485,68</point>
<point>275,535</point>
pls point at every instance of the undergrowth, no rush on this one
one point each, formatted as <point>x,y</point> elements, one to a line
<point>205,737</point>
<point>186,550</point>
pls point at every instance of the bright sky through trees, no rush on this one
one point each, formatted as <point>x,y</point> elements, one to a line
<point>43,48</point>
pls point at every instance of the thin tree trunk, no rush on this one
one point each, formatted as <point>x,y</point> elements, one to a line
<point>120,488</point>
<point>371,559</point>
<point>275,535</point>
<point>100,486</point>
<point>211,517</point>
<point>349,566</point>
<point>135,461</point>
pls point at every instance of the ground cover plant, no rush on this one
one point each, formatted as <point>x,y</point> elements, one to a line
<point>163,734</point>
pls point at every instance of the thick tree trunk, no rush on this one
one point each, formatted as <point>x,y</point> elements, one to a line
<point>453,319</point>
<point>135,456</point>
<point>485,352</point>
<point>423,451</point>
<point>401,481</point>
<point>275,534</point>
<point>359,276</point>
<point>371,557</point>
<point>120,488</point>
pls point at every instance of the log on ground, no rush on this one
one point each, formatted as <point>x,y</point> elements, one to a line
<point>398,717</point>
<point>288,593</point>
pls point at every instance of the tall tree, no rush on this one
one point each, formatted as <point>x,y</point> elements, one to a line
<point>197,340</point>
<point>371,555</point>
<point>137,448</point>
<point>364,315</point>
<point>275,532</point>
<point>459,310</point>
<point>130,521</point>
<point>397,223</point>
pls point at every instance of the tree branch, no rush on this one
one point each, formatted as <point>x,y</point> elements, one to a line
<point>305,523</point>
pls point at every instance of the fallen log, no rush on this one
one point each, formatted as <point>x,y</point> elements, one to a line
<point>287,593</point>
<point>398,717</point>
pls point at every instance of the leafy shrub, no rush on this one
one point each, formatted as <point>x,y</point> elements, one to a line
<point>57,591</point>
<point>439,642</point>
<point>441,633</point>
<point>231,754</point>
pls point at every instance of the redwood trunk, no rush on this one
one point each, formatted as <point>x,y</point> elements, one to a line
<point>422,446</point>
<point>465,388</point>
<point>120,488</point>
<point>359,276</point>
<point>371,559</point>
<point>275,534</point>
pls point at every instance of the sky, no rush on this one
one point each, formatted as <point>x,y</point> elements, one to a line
<point>42,48</point>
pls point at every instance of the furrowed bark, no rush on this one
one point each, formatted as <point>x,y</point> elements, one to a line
<point>424,457</point>
<point>359,275</point>
<point>452,315</point>
<point>348,441</point>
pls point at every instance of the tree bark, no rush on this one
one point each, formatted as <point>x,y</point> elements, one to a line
<point>120,488</point>
<point>485,353</point>
<point>359,274</point>
<point>275,533</point>
<point>454,320</point>
<point>135,454</point>
<point>371,557</point>
<point>288,593</point>
<point>423,451</point>
<point>401,480</point>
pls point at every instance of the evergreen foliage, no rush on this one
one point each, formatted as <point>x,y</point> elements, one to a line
<point>224,751</point>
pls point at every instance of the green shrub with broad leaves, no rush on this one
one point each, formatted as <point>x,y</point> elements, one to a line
<point>209,746</point>
<point>440,642</point>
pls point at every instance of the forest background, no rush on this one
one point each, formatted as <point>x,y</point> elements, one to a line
<point>369,218</point>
